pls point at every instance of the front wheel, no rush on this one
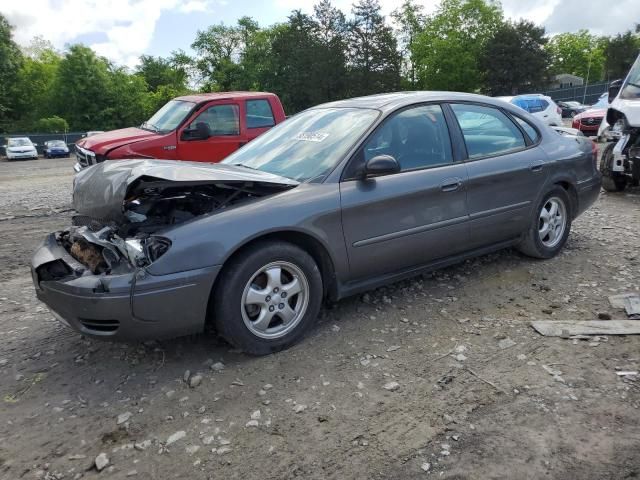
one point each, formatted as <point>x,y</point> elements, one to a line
<point>611,181</point>
<point>550,226</point>
<point>267,298</point>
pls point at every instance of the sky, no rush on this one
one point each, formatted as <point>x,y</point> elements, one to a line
<point>122,30</point>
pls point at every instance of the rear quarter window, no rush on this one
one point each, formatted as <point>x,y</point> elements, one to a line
<point>531,132</point>
<point>259,114</point>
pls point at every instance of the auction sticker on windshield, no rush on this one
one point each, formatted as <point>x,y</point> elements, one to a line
<point>311,136</point>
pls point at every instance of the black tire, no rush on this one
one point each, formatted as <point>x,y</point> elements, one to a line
<point>611,181</point>
<point>227,302</point>
<point>531,244</point>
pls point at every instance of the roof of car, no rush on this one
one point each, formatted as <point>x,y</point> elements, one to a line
<point>205,97</point>
<point>391,101</point>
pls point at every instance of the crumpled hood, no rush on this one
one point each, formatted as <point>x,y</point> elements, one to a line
<point>100,191</point>
<point>101,143</point>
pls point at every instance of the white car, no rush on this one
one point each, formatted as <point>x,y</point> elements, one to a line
<point>20,148</point>
<point>540,106</point>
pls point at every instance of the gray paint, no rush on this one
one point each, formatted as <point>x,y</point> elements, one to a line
<point>374,231</point>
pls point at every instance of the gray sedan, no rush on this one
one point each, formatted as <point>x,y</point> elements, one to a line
<point>339,199</point>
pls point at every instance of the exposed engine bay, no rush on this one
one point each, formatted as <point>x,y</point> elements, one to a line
<point>121,207</point>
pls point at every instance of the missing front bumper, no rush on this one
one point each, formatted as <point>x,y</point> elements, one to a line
<point>128,306</point>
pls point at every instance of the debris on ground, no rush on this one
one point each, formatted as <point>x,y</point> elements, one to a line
<point>566,328</point>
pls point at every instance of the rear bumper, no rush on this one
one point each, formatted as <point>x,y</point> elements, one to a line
<point>588,192</point>
<point>128,306</point>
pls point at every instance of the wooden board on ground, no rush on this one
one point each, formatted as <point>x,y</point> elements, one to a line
<point>564,328</point>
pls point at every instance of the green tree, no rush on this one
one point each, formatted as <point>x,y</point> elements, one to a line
<point>374,60</point>
<point>80,91</point>
<point>295,71</point>
<point>449,48</point>
<point>409,20</point>
<point>10,63</point>
<point>125,103</point>
<point>331,60</point>
<point>36,78</point>
<point>620,52</point>
<point>218,50</point>
<point>53,124</point>
<point>158,71</point>
<point>579,53</point>
<point>514,59</point>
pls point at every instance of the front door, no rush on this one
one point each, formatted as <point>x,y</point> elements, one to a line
<point>225,134</point>
<point>410,218</point>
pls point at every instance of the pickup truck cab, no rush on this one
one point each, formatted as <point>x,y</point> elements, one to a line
<point>203,128</point>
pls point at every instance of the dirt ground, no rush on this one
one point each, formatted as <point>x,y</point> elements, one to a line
<point>474,398</point>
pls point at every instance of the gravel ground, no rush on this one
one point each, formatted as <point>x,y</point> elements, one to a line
<point>437,377</point>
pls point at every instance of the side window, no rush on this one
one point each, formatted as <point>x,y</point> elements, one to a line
<point>221,119</point>
<point>259,114</point>
<point>417,137</point>
<point>543,105</point>
<point>528,128</point>
<point>487,131</point>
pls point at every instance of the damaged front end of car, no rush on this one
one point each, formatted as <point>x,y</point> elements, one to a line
<point>94,275</point>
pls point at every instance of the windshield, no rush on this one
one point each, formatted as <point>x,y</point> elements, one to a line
<point>631,89</point>
<point>308,145</point>
<point>169,116</point>
<point>57,143</point>
<point>19,142</point>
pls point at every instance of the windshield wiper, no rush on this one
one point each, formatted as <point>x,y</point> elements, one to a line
<point>244,166</point>
<point>150,126</point>
<point>633,84</point>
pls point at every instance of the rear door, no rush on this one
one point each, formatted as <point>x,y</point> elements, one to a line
<point>506,171</point>
<point>226,136</point>
<point>410,218</point>
<point>258,117</point>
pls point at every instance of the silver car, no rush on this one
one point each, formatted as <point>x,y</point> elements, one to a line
<point>339,199</point>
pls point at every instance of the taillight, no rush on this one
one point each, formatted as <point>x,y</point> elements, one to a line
<point>559,110</point>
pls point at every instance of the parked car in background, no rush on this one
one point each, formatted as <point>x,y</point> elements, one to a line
<point>603,101</point>
<point>341,198</point>
<point>20,148</point>
<point>588,122</point>
<point>203,128</point>
<point>540,106</point>
<point>55,149</point>
<point>571,109</point>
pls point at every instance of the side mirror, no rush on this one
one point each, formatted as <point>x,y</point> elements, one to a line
<point>201,132</point>
<point>614,89</point>
<point>381,165</point>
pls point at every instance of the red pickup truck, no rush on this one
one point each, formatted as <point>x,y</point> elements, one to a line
<point>204,128</point>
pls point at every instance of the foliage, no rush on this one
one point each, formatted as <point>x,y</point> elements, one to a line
<point>53,124</point>
<point>10,63</point>
<point>620,52</point>
<point>373,58</point>
<point>409,21</point>
<point>579,53</point>
<point>514,59</point>
<point>465,45</point>
<point>449,47</point>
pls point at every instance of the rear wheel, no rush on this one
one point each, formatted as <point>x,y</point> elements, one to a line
<point>611,181</point>
<point>549,227</point>
<point>267,298</point>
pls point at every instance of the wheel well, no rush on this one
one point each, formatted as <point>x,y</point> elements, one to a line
<point>309,244</point>
<point>573,195</point>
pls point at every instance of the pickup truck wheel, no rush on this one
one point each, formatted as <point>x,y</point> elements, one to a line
<point>611,181</point>
<point>267,298</point>
<point>550,226</point>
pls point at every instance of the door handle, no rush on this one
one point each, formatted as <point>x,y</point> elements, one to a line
<point>451,185</point>
<point>536,167</point>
